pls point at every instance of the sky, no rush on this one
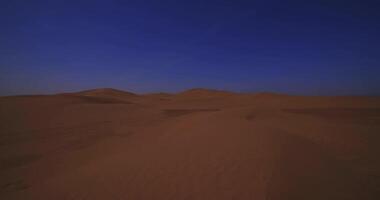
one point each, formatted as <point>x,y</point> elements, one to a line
<point>325,47</point>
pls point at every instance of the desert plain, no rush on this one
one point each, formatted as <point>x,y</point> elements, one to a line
<point>199,144</point>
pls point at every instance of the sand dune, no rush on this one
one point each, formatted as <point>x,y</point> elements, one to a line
<point>198,144</point>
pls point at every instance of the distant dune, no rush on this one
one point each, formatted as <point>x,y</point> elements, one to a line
<point>109,92</point>
<point>199,144</point>
<point>200,92</point>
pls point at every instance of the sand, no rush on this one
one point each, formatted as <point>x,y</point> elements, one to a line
<point>198,144</point>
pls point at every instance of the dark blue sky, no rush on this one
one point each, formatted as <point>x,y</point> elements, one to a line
<point>327,47</point>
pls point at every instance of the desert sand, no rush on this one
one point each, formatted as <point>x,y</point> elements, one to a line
<point>196,145</point>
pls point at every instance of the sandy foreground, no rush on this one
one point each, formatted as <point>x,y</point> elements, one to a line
<point>199,144</point>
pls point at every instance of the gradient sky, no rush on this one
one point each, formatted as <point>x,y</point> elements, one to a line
<point>326,47</point>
